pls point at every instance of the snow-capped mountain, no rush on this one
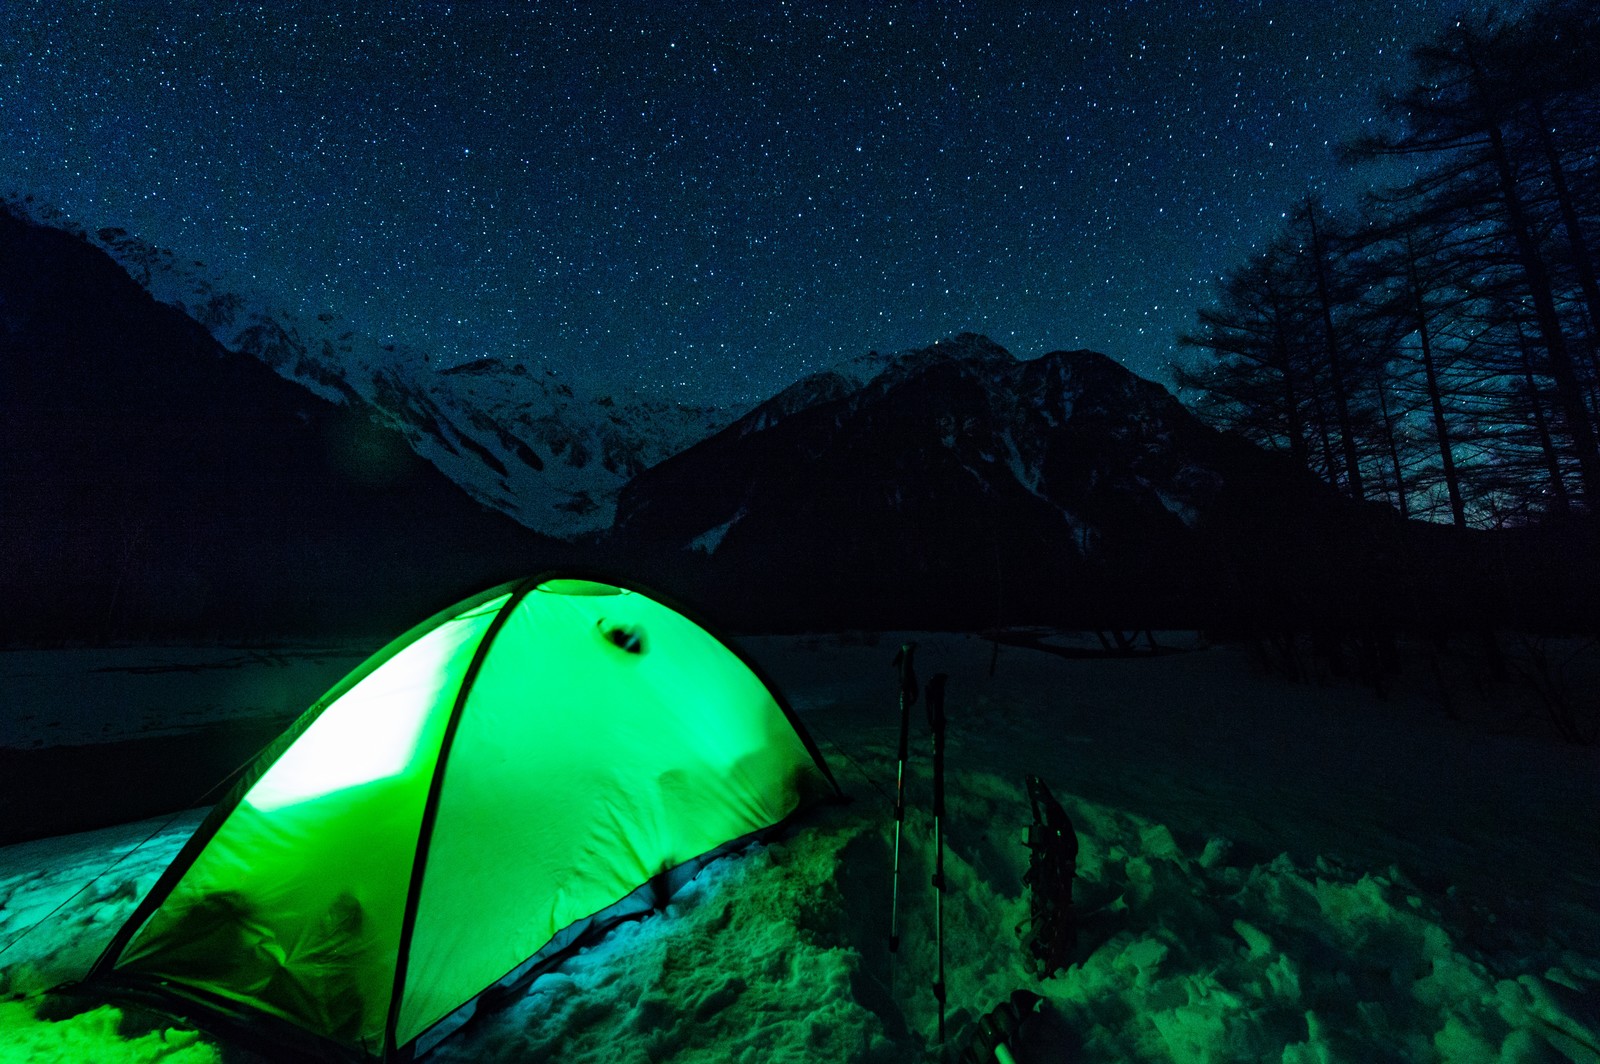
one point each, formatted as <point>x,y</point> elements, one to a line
<point>523,441</point>
<point>516,437</point>
<point>156,482</point>
<point>995,480</point>
<point>1072,433</point>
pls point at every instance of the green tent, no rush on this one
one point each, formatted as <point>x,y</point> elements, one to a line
<point>538,759</point>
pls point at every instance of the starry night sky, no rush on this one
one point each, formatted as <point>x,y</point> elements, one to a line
<point>711,198</point>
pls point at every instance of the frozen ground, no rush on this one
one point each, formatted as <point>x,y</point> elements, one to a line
<point>1269,871</point>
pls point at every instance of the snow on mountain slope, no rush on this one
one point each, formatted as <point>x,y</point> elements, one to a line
<point>1071,438</point>
<point>532,446</point>
<point>518,439</point>
<point>988,481</point>
<point>154,481</point>
<point>1072,429</point>
<point>522,440</point>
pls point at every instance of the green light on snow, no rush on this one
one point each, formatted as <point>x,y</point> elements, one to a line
<point>93,1036</point>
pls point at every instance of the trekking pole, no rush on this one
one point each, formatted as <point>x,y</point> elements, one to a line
<point>935,705</point>
<point>908,695</point>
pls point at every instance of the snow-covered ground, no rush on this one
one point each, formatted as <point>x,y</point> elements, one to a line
<point>1269,871</point>
<point>73,696</point>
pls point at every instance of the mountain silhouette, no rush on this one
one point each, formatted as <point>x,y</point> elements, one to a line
<point>156,483</point>
<point>960,485</point>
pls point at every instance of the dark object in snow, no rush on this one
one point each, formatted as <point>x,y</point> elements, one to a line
<point>1052,862</point>
<point>993,1039</point>
<point>935,705</point>
<point>908,695</point>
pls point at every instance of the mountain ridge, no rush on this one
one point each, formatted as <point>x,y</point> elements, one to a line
<point>1004,480</point>
<point>158,483</point>
<point>519,439</point>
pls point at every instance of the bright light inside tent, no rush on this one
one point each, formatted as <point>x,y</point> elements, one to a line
<point>352,753</point>
<point>372,732</point>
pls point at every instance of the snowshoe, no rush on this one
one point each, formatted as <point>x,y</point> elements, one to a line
<point>1052,863</point>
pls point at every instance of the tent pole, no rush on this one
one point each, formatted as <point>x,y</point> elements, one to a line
<point>393,1050</point>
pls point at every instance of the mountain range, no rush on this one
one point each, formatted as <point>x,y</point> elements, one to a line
<point>156,483</point>
<point>959,484</point>
<point>301,476</point>
<point>516,436</point>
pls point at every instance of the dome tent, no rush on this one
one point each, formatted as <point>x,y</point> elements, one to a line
<point>541,757</point>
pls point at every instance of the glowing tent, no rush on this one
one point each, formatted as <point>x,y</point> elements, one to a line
<point>538,758</point>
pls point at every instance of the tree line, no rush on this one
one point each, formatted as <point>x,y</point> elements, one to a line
<point>1438,347</point>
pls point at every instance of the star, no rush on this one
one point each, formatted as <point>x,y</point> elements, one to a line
<point>707,204</point>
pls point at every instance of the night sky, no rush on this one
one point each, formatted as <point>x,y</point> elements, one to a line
<point>707,198</point>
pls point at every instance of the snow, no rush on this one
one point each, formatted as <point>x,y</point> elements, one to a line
<point>1182,509</point>
<point>1268,871</point>
<point>709,540</point>
<point>65,697</point>
<point>1028,471</point>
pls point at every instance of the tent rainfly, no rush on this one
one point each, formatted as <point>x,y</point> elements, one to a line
<point>542,758</point>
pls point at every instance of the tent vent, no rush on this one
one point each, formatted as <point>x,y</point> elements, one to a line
<point>628,637</point>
